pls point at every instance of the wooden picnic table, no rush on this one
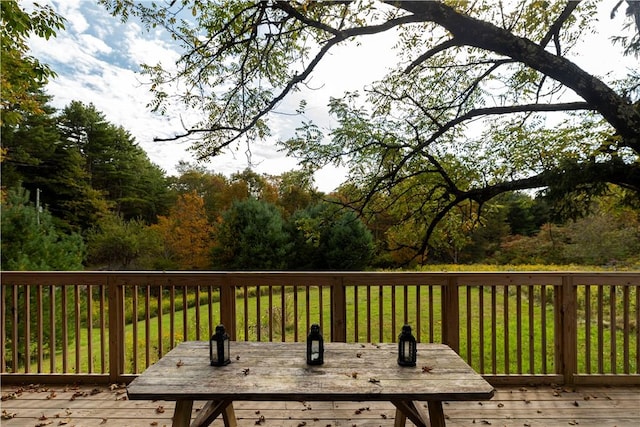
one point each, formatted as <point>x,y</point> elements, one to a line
<point>269,371</point>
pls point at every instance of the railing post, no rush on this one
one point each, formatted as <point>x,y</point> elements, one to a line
<point>228,308</point>
<point>566,345</point>
<point>451,314</point>
<point>338,310</point>
<point>115,291</point>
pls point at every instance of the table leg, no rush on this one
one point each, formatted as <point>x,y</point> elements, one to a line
<point>400,419</point>
<point>436,415</point>
<point>212,409</point>
<point>412,410</point>
<point>182,413</point>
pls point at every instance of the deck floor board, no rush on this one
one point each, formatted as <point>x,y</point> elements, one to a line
<point>511,406</point>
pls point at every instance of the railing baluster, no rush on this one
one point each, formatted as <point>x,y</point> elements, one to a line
<point>172,315</point>
<point>40,308</point>
<point>160,351</point>
<point>380,313</point>
<point>431,314</point>
<point>185,313</point>
<point>90,328</point>
<point>600,330</point>
<point>197,290</point>
<point>532,338</point>
<point>418,312</point>
<point>103,330</point>
<point>587,328</point>
<point>14,323</point>
<point>494,343</point>
<point>625,328</point>
<point>519,329</point>
<point>505,307</point>
<point>468,325</point>
<point>52,328</point>
<point>321,305</point>
<point>481,326</point>
<point>76,300</point>
<point>134,320</point>
<point>356,319</point>
<point>27,329</point>
<point>258,316</point>
<point>612,329</point>
<point>368,313</point>
<point>210,329</point>
<point>543,327</point>
<point>245,293</point>
<point>393,316</point>
<point>65,328</point>
<point>147,326</point>
<point>307,309</point>
<point>283,317</point>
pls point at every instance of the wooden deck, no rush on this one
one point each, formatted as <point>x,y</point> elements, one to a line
<point>522,406</point>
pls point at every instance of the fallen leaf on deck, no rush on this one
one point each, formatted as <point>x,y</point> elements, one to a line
<point>160,410</point>
<point>43,417</point>
<point>427,368</point>
<point>104,421</point>
<point>374,380</point>
<point>180,363</point>
<point>9,396</point>
<point>52,395</point>
<point>7,415</point>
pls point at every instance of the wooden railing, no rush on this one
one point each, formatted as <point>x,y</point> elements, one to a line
<point>516,327</point>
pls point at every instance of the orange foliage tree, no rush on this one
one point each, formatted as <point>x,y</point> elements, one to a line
<point>186,233</point>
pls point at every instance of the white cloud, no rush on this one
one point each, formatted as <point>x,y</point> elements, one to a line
<point>149,51</point>
<point>93,45</point>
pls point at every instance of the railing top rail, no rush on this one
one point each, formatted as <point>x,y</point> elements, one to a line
<point>311,278</point>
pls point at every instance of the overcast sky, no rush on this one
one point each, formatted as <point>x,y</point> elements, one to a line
<point>97,59</point>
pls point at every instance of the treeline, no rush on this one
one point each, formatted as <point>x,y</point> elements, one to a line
<point>78,192</point>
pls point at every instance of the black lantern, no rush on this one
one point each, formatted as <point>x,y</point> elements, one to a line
<point>315,346</point>
<point>407,351</point>
<point>219,347</point>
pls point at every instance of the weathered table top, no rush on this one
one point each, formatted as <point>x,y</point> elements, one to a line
<point>278,371</point>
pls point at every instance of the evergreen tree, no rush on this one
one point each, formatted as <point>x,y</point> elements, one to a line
<point>251,237</point>
<point>30,241</point>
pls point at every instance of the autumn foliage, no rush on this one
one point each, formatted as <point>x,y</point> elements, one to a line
<point>186,233</point>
